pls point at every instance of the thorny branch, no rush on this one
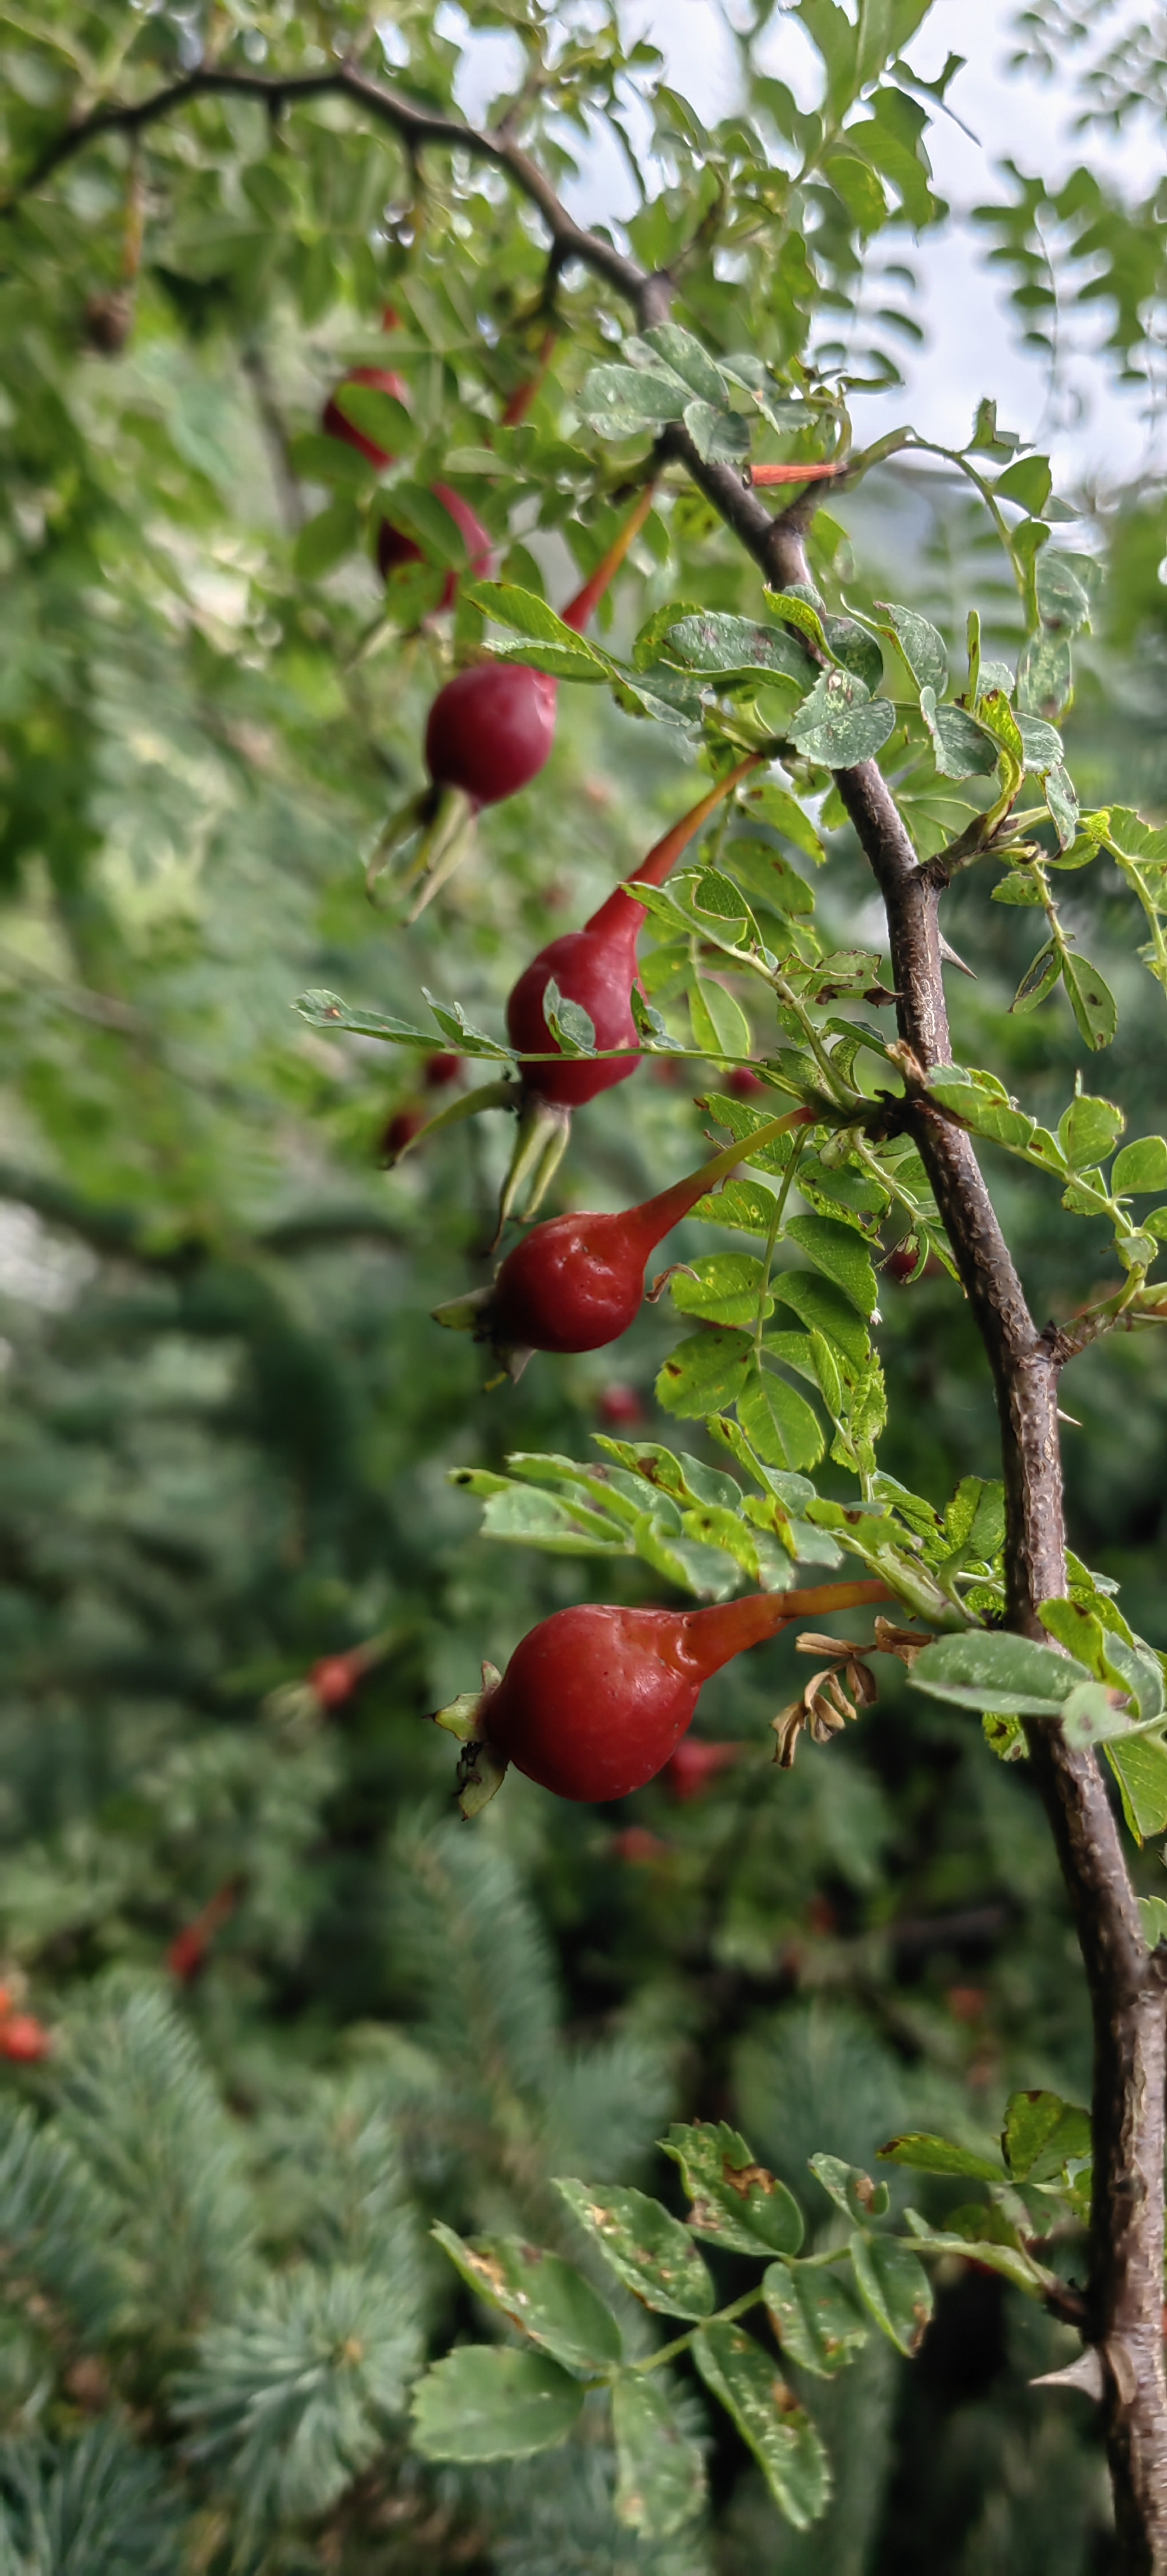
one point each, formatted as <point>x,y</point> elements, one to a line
<point>1125,2292</point>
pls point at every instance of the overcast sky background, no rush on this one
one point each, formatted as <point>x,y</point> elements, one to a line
<point>972,341</point>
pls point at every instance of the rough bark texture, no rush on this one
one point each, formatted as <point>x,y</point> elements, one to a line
<point>1125,2292</point>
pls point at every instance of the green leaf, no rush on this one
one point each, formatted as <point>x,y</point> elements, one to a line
<point>894,2288</point>
<point>688,360</point>
<point>725,1288</point>
<point>1088,1132</point>
<point>823,1308</point>
<point>619,402</point>
<point>649,2249</point>
<point>921,644</point>
<point>768,2417</point>
<point>926,2154</point>
<point>325,1010</point>
<point>419,514</point>
<point>1039,978</point>
<point>378,416</point>
<point>1091,1000</point>
<point>778,1422</point>
<point>1041,2134</point>
<point>815,2318</point>
<point>1141,1166</point>
<point>720,437</point>
<point>840,724</point>
<point>660,2474</point>
<point>852,2190</point>
<point>961,747</point>
<point>705,1373</point>
<point>736,2202</point>
<point>1045,675</point>
<point>1140,1768</point>
<point>1153,1910</point>
<point>1028,482</point>
<point>990,1670</point>
<point>485,2403</point>
<point>530,616</point>
<point>541,2294</point>
<point>1041,744</point>
<point>719,1024</point>
<point>1061,798</point>
<point>323,540</point>
<point>838,1251</point>
<point>735,648</point>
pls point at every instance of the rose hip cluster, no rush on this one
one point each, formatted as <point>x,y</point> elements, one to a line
<point>595,1700</point>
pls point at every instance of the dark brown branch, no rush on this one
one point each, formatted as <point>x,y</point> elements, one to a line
<point>414,125</point>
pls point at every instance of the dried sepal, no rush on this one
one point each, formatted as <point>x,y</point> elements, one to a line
<point>907,1643</point>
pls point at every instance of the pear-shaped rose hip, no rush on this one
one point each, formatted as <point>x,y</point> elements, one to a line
<point>382,380</point>
<point>595,1700</point>
<point>596,967</point>
<point>576,1282</point>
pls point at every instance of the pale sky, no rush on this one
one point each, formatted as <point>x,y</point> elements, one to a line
<point>972,342</point>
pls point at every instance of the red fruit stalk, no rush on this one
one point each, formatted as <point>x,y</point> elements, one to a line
<point>596,1699</point>
<point>576,1282</point>
<point>763,474</point>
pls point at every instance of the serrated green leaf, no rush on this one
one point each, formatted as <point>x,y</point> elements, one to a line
<point>484,2402</point>
<point>961,747</point>
<point>926,2154</point>
<point>1140,1167</point>
<point>768,2417</point>
<point>839,724</point>
<point>737,2203</point>
<point>921,644</point>
<point>528,615</point>
<point>647,2248</point>
<point>1040,976</point>
<point>1041,2133</point>
<point>778,1422</point>
<point>725,1288</point>
<point>688,360</point>
<point>852,2190</point>
<point>823,1308</point>
<point>1140,1768</point>
<point>705,1373</point>
<point>894,2287</point>
<point>1091,1000</point>
<point>619,402</point>
<point>838,1251</point>
<point>735,648</point>
<point>325,1010</point>
<point>990,1670</point>
<point>1088,1132</point>
<point>817,2321</point>
<point>660,2474</point>
<point>542,2295</point>
<point>719,1024</point>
